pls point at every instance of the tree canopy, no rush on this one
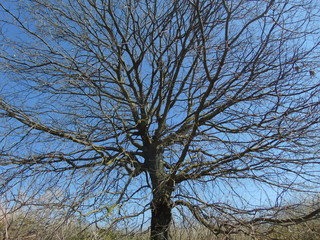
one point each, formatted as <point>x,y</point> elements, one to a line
<point>161,111</point>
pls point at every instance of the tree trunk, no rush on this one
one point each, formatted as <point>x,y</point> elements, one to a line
<point>161,217</point>
<point>162,188</point>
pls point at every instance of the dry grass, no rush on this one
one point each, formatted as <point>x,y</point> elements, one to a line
<point>27,227</point>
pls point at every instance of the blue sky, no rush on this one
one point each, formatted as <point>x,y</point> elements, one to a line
<point>74,109</point>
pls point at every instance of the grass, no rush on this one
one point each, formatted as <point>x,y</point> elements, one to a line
<point>28,227</point>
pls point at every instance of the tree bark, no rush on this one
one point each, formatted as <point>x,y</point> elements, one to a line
<point>162,188</point>
<point>160,218</point>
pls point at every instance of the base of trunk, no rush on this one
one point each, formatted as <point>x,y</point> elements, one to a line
<point>160,221</point>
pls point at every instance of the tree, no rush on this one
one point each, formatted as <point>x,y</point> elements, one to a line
<point>154,109</point>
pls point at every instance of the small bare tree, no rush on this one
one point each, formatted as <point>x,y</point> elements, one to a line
<point>152,109</point>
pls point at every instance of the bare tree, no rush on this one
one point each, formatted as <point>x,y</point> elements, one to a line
<point>152,109</point>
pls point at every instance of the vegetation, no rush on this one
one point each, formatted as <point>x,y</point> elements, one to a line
<point>138,114</point>
<point>28,225</point>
